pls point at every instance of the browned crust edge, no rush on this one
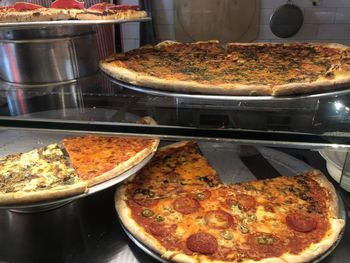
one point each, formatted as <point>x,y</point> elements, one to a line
<point>23,197</point>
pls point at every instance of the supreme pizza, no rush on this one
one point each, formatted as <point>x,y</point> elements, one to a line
<point>69,168</point>
<point>178,207</point>
<point>234,69</point>
<point>68,10</point>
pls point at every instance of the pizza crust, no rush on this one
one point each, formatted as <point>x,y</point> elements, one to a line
<point>324,183</point>
<point>43,195</point>
<point>135,229</point>
<point>123,167</point>
<point>318,249</point>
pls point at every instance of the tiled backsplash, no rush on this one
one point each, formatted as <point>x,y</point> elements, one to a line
<point>328,21</point>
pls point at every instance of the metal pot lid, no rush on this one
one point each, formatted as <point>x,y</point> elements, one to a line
<point>286,20</point>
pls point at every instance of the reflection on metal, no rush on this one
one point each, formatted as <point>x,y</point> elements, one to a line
<point>345,177</point>
<point>46,24</point>
<point>47,54</point>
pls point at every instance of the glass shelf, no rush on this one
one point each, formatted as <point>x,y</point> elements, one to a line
<point>95,104</point>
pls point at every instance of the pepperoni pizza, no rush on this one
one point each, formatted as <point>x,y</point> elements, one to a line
<point>178,207</point>
<point>68,10</point>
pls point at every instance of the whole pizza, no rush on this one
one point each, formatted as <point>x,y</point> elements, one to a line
<point>234,69</point>
<point>68,10</point>
<point>178,207</point>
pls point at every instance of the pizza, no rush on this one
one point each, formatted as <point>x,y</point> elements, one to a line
<point>234,69</point>
<point>37,175</point>
<point>178,207</point>
<point>68,10</point>
<point>70,167</point>
<point>100,158</point>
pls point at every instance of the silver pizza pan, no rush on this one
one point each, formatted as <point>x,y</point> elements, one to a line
<point>341,91</point>
<point>225,159</point>
<point>14,141</point>
<point>42,24</point>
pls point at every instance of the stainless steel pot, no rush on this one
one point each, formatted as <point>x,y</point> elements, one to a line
<point>47,54</point>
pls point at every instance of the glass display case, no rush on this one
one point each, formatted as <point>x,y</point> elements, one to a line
<point>291,133</point>
<point>244,138</point>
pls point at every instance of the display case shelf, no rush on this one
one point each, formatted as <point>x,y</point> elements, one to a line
<point>308,122</point>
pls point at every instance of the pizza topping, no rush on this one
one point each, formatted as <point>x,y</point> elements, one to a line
<point>147,213</point>
<point>125,7</point>
<point>226,234</point>
<point>161,230</point>
<point>100,6</point>
<point>145,201</point>
<point>202,242</point>
<point>22,6</point>
<point>244,229</point>
<point>218,219</point>
<point>186,205</point>
<point>159,218</point>
<point>301,222</point>
<point>202,195</point>
<point>67,4</point>
<point>242,202</point>
<point>263,240</point>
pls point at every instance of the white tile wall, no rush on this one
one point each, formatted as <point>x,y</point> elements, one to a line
<point>328,21</point>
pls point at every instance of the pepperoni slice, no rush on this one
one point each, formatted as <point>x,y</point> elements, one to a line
<point>125,7</point>
<point>22,6</point>
<point>186,205</point>
<point>300,222</point>
<point>161,230</point>
<point>247,202</point>
<point>202,242</point>
<point>145,201</point>
<point>101,6</point>
<point>67,4</point>
<point>219,219</point>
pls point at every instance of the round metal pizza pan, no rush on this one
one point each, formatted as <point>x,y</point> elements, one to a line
<point>41,24</point>
<point>22,141</point>
<point>284,163</point>
<point>155,92</point>
<point>53,204</point>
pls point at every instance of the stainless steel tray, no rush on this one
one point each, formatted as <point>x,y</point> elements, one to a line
<point>228,97</point>
<point>226,161</point>
<point>20,141</point>
<point>41,24</point>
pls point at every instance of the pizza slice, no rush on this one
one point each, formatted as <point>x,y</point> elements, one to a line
<point>174,169</point>
<point>106,11</point>
<point>100,158</point>
<point>28,12</point>
<point>38,175</point>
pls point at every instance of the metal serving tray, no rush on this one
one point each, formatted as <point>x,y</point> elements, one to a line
<point>151,91</point>
<point>226,161</point>
<point>41,24</point>
<point>13,141</point>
